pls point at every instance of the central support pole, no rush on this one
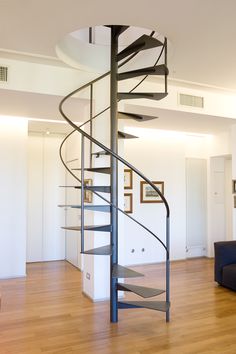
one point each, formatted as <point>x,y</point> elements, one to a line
<point>114,173</point>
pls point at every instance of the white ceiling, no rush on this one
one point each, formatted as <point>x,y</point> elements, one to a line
<point>202,32</point>
<point>202,35</point>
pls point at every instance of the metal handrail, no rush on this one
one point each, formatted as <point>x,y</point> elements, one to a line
<point>106,200</point>
<point>110,152</point>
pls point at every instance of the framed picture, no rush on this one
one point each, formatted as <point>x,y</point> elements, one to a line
<point>88,195</point>
<point>128,179</point>
<point>128,203</point>
<point>234,186</point>
<point>234,201</point>
<point>148,194</point>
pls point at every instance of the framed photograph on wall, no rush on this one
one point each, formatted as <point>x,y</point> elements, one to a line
<point>128,178</point>
<point>234,201</point>
<point>88,195</point>
<point>234,186</point>
<point>128,203</point>
<point>148,194</point>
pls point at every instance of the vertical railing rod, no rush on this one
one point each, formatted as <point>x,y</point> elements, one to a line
<point>91,126</point>
<point>114,174</point>
<point>82,194</point>
<point>168,266</point>
<point>90,34</point>
<point>165,64</point>
<point>91,108</point>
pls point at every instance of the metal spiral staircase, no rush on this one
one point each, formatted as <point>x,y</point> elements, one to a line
<point>117,271</point>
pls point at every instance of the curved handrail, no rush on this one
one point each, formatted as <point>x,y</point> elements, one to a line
<point>110,152</point>
<point>106,200</point>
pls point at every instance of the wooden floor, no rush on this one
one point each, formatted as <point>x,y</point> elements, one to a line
<point>47,313</point>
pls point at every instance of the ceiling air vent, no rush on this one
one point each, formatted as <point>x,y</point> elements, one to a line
<point>3,73</point>
<point>189,100</point>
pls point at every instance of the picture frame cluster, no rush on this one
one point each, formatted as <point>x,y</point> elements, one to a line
<point>147,193</point>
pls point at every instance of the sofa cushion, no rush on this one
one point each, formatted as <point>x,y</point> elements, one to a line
<point>229,276</point>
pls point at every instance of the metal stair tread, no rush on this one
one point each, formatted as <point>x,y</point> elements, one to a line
<point>119,271</point>
<point>105,228</point>
<point>106,170</point>
<point>151,70</point>
<point>103,208</point>
<point>148,95</point>
<point>123,135</point>
<point>142,43</point>
<point>103,189</point>
<point>152,305</point>
<point>99,251</point>
<point>135,116</point>
<point>100,153</point>
<point>143,291</point>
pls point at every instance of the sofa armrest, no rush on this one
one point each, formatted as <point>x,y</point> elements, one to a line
<point>225,253</point>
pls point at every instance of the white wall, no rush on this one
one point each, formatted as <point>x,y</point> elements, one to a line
<point>160,155</point>
<point>155,158</point>
<point>45,238</point>
<point>13,191</point>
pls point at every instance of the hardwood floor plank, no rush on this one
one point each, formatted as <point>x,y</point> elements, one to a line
<point>47,313</point>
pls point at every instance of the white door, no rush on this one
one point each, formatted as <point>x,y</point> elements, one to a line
<point>196,206</point>
<point>45,238</point>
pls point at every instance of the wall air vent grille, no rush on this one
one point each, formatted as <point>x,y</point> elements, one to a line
<point>189,100</point>
<point>3,73</point>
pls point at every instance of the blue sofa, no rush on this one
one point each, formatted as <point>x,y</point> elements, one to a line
<point>225,264</point>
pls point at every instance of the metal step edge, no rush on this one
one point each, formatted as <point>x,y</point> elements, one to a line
<point>151,70</point>
<point>162,306</point>
<point>142,43</point>
<point>123,135</point>
<point>124,272</point>
<point>103,189</point>
<point>105,170</point>
<point>136,95</point>
<point>102,228</point>
<point>99,251</point>
<point>138,117</point>
<point>143,291</point>
<point>100,153</point>
<point>102,208</point>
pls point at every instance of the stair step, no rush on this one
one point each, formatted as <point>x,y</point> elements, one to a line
<point>122,135</point>
<point>118,29</point>
<point>106,170</point>
<point>103,189</point>
<point>102,208</point>
<point>123,272</point>
<point>153,305</point>
<point>149,95</point>
<point>140,290</point>
<point>151,70</point>
<point>100,153</point>
<point>100,251</point>
<point>142,43</point>
<point>134,116</point>
<point>104,228</point>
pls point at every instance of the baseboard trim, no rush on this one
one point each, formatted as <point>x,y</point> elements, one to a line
<point>14,276</point>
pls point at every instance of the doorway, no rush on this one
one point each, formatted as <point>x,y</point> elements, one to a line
<point>196,207</point>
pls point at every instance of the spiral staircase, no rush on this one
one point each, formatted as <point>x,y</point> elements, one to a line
<point>118,272</point>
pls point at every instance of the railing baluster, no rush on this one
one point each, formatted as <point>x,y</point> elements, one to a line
<point>168,266</point>
<point>165,44</point>
<point>82,193</point>
<point>91,125</point>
